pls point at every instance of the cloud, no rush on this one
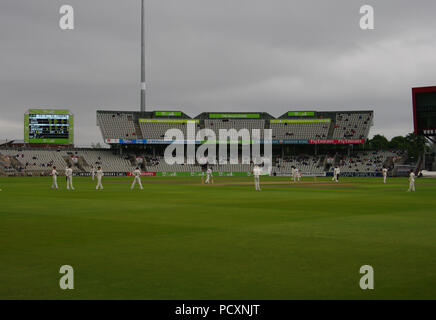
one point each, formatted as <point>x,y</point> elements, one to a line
<point>209,55</point>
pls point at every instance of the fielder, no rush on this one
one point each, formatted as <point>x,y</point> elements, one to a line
<point>69,176</point>
<point>209,175</point>
<point>54,174</point>
<point>92,173</point>
<point>336,173</point>
<point>385,174</point>
<point>411,181</point>
<point>298,174</point>
<point>137,179</point>
<point>256,173</point>
<point>293,173</point>
<point>100,175</point>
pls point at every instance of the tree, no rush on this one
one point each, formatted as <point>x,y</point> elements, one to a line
<point>414,145</point>
<point>398,143</point>
<point>378,142</point>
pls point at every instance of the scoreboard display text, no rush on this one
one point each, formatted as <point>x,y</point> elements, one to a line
<point>51,126</point>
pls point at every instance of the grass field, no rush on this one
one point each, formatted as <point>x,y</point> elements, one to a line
<point>178,239</point>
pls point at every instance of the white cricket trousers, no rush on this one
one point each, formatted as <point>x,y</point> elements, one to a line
<point>384,179</point>
<point>54,185</point>
<point>257,183</point>
<point>136,180</point>
<point>70,183</point>
<point>99,184</point>
<point>411,186</point>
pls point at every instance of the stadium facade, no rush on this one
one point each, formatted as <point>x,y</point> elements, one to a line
<point>293,127</point>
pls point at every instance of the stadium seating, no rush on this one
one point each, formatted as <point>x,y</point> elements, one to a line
<point>239,124</point>
<point>305,163</point>
<point>286,131</point>
<point>116,125</point>
<point>6,166</point>
<point>369,161</point>
<point>343,125</point>
<point>352,125</point>
<point>158,164</point>
<point>108,161</point>
<point>151,130</point>
<point>37,160</point>
<point>41,161</point>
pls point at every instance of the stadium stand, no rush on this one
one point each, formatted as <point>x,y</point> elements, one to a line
<point>6,166</point>
<point>41,161</point>
<point>321,125</point>
<point>352,125</point>
<point>159,165</point>
<point>116,125</point>
<point>307,164</point>
<point>35,160</point>
<point>134,136</point>
<point>368,161</point>
<point>107,160</point>
<point>283,131</point>
<point>228,124</point>
<point>153,130</point>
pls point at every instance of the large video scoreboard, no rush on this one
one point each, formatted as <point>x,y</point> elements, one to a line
<point>424,110</point>
<point>48,126</point>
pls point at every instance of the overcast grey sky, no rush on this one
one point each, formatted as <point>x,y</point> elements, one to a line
<point>215,55</point>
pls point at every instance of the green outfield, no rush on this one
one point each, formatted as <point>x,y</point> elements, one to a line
<point>178,239</point>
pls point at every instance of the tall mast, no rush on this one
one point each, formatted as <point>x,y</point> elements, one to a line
<point>142,58</point>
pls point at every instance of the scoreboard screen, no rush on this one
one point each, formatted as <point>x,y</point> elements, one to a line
<point>48,126</point>
<point>424,110</point>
